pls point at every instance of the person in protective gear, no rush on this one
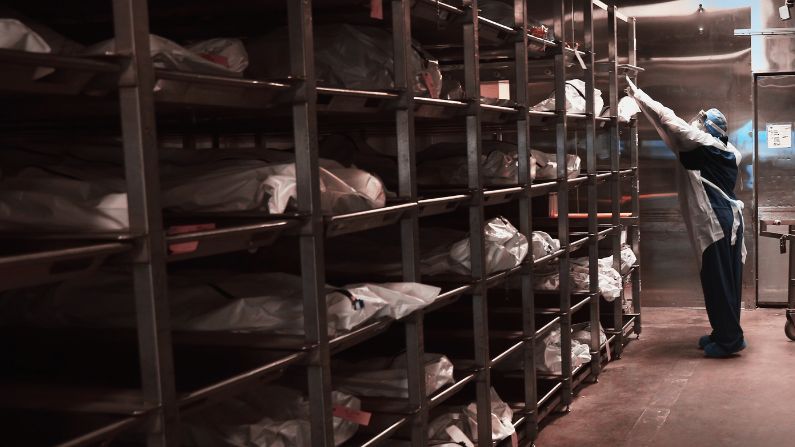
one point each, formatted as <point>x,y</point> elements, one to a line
<point>708,171</point>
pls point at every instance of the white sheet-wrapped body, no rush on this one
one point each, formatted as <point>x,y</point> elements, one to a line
<point>575,99</point>
<point>506,248</point>
<point>269,302</point>
<point>269,416</point>
<point>15,35</point>
<point>547,165</point>
<point>220,57</point>
<point>548,357</point>
<point>465,422</point>
<point>93,198</point>
<point>346,56</point>
<point>387,377</point>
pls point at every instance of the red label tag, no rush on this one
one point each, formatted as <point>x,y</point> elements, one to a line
<point>514,440</point>
<point>349,414</point>
<point>189,246</point>
<point>216,59</point>
<point>377,9</point>
<point>427,79</point>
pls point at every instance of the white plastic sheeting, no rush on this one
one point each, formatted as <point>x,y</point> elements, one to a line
<point>581,333</point>
<point>347,56</point>
<point>610,280</point>
<point>547,165</point>
<point>15,35</point>
<point>506,248</point>
<point>548,357</point>
<point>627,109</point>
<point>465,423</point>
<point>498,168</point>
<point>270,416</point>
<point>544,244</point>
<point>221,57</point>
<point>387,377</point>
<point>269,302</point>
<point>93,198</point>
<point>575,99</point>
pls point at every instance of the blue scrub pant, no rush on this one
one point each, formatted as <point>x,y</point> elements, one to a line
<point>721,281</point>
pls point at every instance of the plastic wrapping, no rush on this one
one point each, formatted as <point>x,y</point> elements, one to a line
<point>627,109</point>
<point>498,168</point>
<point>269,302</point>
<point>547,165</point>
<point>575,99</point>
<point>465,422</point>
<point>270,416</point>
<point>506,248</point>
<point>346,56</point>
<point>548,357</point>
<point>581,332</point>
<point>221,57</point>
<point>610,285</point>
<point>93,198</point>
<point>384,377</point>
<point>15,35</point>
<point>544,244</point>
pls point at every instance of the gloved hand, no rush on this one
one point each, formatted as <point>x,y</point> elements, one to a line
<point>632,88</point>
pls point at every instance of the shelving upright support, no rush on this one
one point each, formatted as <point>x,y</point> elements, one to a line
<point>311,238</point>
<point>136,102</point>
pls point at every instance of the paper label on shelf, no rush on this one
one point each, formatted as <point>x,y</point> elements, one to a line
<point>189,246</point>
<point>458,436</point>
<point>377,9</point>
<point>183,247</point>
<point>779,136</point>
<point>349,414</point>
<point>514,440</point>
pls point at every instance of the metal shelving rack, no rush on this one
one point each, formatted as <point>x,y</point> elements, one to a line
<point>146,248</point>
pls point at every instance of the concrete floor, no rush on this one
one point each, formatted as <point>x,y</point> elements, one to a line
<point>664,393</point>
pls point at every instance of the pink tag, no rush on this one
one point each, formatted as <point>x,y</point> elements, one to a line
<point>428,80</point>
<point>377,9</point>
<point>189,246</point>
<point>349,414</point>
<point>216,59</point>
<point>514,440</point>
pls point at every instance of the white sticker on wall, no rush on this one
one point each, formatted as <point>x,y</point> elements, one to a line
<point>779,136</point>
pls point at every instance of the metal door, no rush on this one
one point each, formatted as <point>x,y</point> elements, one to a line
<point>774,172</point>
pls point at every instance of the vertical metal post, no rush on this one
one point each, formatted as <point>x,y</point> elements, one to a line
<point>136,85</point>
<point>520,96</point>
<point>791,281</point>
<point>311,233</point>
<point>593,224</point>
<point>476,223</point>
<point>615,179</point>
<point>409,225</point>
<point>563,203</point>
<point>635,164</point>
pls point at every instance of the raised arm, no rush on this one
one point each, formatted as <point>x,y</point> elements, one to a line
<point>677,134</point>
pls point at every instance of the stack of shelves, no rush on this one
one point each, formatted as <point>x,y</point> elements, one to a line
<point>133,386</point>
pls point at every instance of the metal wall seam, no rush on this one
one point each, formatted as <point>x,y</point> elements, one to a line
<point>561,132</point>
<point>635,165</point>
<point>520,97</point>
<point>476,224</point>
<point>615,179</point>
<point>311,237</point>
<point>593,196</point>
<point>136,102</point>
<point>409,224</point>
